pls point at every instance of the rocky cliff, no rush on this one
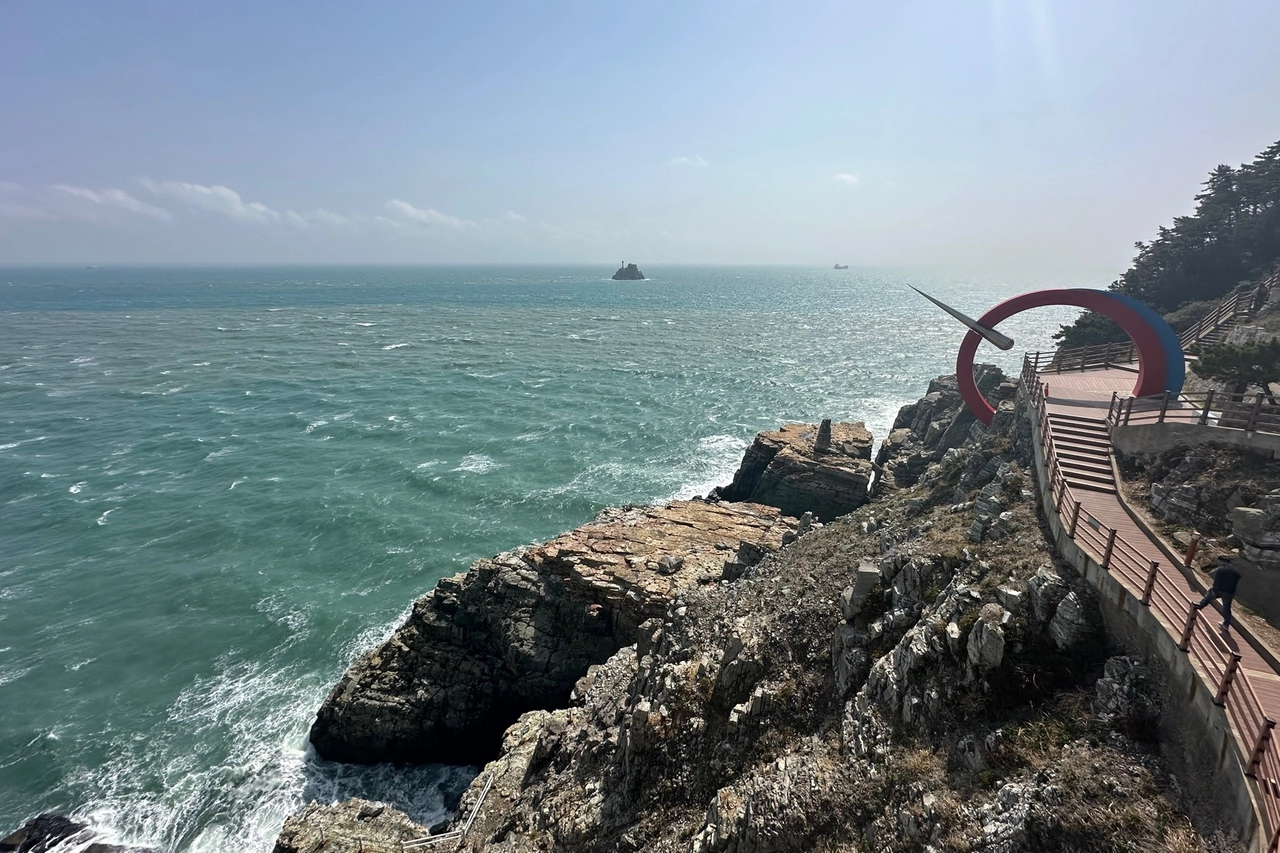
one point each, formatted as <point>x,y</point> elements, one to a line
<point>921,674</point>
<point>823,469</point>
<point>516,631</point>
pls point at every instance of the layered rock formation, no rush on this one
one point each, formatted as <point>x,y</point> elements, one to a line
<point>1258,529</point>
<point>515,632</point>
<point>355,824</point>
<point>823,469</point>
<point>866,686</point>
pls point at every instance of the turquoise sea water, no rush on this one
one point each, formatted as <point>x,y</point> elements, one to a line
<point>217,486</point>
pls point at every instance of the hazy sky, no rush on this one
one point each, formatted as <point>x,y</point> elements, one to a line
<point>1042,135</point>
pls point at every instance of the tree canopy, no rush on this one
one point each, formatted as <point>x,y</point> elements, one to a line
<point>1233,236</point>
<point>1243,365</point>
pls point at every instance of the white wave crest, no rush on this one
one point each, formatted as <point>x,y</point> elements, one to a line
<point>477,463</point>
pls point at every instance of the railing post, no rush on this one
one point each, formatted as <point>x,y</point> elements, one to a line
<point>1208,401</point>
<point>1164,407</point>
<point>1062,491</point>
<point>1115,395</point>
<point>1187,628</point>
<point>1150,585</point>
<point>1253,415</point>
<point>1260,742</point>
<point>1227,677</point>
<point>1075,518</point>
<point>1128,411</point>
<point>1191,549</point>
<point>1111,543</point>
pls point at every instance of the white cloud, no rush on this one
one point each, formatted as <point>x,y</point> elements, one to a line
<point>428,216</point>
<point>695,160</point>
<point>116,198</point>
<point>512,216</point>
<point>846,178</point>
<point>216,198</point>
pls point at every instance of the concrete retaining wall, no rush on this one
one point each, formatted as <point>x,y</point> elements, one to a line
<point>1195,735</point>
<point>1156,438</point>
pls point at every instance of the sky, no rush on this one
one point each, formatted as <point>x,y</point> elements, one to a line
<point>1029,135</point>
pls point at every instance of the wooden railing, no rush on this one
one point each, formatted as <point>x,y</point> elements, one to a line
<point>1234,307</point>
<point>1085,358</point>
<point>1217,662</point>
<point>1249,412</point>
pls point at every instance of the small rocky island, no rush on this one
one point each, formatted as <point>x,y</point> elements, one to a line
<point>628,272</point>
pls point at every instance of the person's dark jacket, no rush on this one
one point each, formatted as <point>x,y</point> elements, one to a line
<point>1225,579</point>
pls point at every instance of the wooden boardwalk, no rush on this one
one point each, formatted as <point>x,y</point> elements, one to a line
<point>1077,451</point>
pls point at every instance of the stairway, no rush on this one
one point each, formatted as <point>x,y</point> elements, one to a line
<point>1083,450</point>
<point>1219,334</point>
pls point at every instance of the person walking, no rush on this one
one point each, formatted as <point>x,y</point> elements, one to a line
<point>1225,580</point>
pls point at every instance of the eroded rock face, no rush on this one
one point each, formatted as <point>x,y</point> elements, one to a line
<point>347,827</point>
<point>1258,529</point>
<point>516,631</point>
<point>925,430</point>
<point>824,469</point>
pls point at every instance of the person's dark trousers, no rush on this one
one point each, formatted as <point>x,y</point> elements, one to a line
<point>1226,604</point>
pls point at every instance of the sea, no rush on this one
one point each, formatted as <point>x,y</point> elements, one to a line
<point>218,485</point>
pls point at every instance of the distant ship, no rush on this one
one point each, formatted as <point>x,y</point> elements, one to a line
<point>628,272</point>
<point>842,266</point>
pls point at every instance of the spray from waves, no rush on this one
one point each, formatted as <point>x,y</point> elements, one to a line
<point>711,464</point>
<point>230,761</point>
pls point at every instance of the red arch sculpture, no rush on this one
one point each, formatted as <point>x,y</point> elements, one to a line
<point>1152,363</point>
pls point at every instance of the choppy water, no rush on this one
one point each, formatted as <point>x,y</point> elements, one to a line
<point>217,486</point>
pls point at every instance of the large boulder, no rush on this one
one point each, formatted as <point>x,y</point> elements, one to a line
<point>1258,529</point>
<point>516,631</point>
<point>820,468</point>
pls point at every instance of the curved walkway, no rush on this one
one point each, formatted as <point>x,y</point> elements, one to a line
<point>1075,447</point>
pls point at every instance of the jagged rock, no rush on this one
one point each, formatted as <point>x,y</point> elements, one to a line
<point>47,832</point>
<point>352,826</point>
<point>517,631</point>
<point>924,431</point>
<point>1071,623</point>
<point>970,752</point>
<point>986,639</point>
<point>1127,690</point>
<point>1259,533</point>
<point>1045,589</point>
<point>785,468</point>
<point>853,597</point>
<point>1005,822</point>
<point>1199,486</point>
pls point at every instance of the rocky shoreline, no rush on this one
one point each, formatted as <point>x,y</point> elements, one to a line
<point>828,653</point>
<point>913,670</point>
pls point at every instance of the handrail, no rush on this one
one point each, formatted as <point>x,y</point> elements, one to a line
<point>1259,412</point>
<point>1218,663</point>
<point>454,835</point>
